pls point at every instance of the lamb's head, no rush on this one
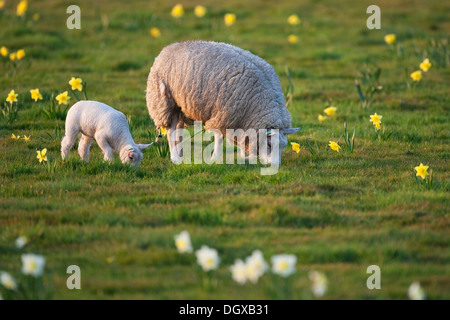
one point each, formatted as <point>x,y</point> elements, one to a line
<point>133,154</point>
<point>275,139</point>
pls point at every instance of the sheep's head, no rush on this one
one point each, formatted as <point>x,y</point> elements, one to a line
<point>275,140</point>
<point>133,154</point>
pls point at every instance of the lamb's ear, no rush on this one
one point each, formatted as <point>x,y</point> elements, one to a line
<point>144,146</point>
<point>290,130</point>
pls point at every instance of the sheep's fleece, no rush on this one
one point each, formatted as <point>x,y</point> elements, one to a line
<point>108,126</point>
<point>221,85</point>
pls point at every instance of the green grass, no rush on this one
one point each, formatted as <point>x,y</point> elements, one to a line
<point>338,212</point>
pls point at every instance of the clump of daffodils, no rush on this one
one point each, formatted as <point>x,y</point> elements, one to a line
<point>251,270</point>
<point>183,242</point>
<point>207,258</point>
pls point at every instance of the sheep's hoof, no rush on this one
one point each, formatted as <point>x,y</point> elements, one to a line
<point>175,159</point>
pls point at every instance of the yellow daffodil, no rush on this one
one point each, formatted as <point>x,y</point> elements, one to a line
<point>42,155</point>
<point>330,111</point>
<point>377,125</point>
<point>27,139</point>
<point>334,146</point>
<point>177,11</point>
<point>20,54</point>
<point>229,19</point>
<point>155,32</point>
<point>63,98</point>
<point>295,147</point>
<point>292,38</point>
<point>36,17</point>
<point>22,8</point>
<point>12,97</point>
<point>13,56</point>
<point>163,131</point>
<point>199,11</point>
<point>390,38</point>
<point>425,65</point>
<point>416,75</point>
<point>422,171</point>
<point>321,118</point>
<point>4,51</point>
<point>2,4</point>
<point>76,83</point>
<point>14,137</point>
<point>293,20</point>
<point>375,118</point>
<point>35,94</point>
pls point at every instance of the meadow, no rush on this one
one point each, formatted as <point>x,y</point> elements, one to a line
<point>338,212</point>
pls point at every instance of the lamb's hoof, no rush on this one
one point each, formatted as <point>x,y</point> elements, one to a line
<point>175,159</point>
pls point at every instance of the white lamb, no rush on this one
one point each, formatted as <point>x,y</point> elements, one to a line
<point>107,126</point>
<point>221,85</point>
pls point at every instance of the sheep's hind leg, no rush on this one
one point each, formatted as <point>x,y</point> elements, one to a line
<point>218,147</point>
<point>67,142</point>
<point>106,148</point>
<point>171,131</point>
<point>84,146</point>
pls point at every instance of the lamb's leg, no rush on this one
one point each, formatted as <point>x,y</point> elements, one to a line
<point>172,143</point>
<point>68,141</point>
<point>218,141</point>
<point>84,146</point>
<point>179,140</point>
<point>106,148</point>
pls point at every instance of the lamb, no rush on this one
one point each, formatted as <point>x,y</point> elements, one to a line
<point>107,126</point>
<point>222,86</point>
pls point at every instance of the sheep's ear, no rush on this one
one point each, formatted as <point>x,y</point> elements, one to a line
<point>290,130</point>
<point>144,146</point>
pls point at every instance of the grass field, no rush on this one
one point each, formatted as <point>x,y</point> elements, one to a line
<point>337,212</point>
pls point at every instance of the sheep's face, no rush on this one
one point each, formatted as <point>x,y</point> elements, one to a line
<point>275,144</point>
<point>133,155</point>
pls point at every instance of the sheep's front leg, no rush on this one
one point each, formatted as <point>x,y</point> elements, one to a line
<point>106,148</point>
<point>218,151</point>
<point>171,131</point>
<point>179,140</point>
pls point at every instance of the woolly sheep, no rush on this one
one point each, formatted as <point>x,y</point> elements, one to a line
<point>222,86</point>
<point>107,126</point>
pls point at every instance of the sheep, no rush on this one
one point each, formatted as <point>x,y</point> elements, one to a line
<point>107,126</point>
<point>224,87</point>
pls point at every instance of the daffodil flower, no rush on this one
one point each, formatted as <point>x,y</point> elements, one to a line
<point>76,83</point>
<point>12,97</point>
<point>375,118</point>
<point>330,111</point>
<point>22,8</point>
<point>422,171</point>
<point>390,38</point>
<point>155,32</point>
<point>199,11</point>
<point>229,19</point>
<point>4,51</point>
<point>14,137</point>
<point>321,118</point>
<point>20,54</point>
<point>177,11</point>
<point>416,75</point>
<point>42,155</point>
<point>293,19</point>
<point>334,146</point>
<point>63,98</point>
<point>295,147</point>
<point>292,38</point>
<point>35,94</point>
<point>425,65</point>
<point>27,139</point>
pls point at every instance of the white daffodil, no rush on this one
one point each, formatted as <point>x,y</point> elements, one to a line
<point>283,264</point>
<point>319,283</point>
<point>8,281</point>
<point>415,292</point>
<point>33,264</point>
<point>256,266</point>
<point>207,258</point>
<point>239,271</point>
<point>21,242</point>
<point>183,242</point>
